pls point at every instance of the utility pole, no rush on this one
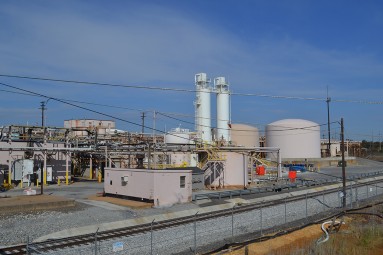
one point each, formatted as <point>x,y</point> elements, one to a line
<point>42,169</point>
<point>328,124</point>
<point>143,122</point>
<point>154,139</point>
<point>343,163</point>
<point>42,113</point>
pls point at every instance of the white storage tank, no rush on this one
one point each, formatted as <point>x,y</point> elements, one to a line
<point>202,107</point>
<point>178,136</point>
<point>297,138</point>
<point>223,108</point>
<point>244,135</point>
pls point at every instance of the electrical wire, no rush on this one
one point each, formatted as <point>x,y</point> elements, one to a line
<point>142,110</point>
<point>187,90</point>
<point>94,111</point>
<point>81,102</point>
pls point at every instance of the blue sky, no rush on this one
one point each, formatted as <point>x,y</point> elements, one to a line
<point>279,48</point>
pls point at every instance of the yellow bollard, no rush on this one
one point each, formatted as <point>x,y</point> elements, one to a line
<point>45,176</point>
<point>21,184</point>
<point>99,177</point>
<point>58,181</point>
<point>37,182</point>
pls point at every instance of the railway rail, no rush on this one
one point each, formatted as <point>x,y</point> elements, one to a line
<point>57,244</point>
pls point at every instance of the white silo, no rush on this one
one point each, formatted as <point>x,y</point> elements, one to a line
<point>223,108</point>
<point>296,138</point>
<point>202,107</point>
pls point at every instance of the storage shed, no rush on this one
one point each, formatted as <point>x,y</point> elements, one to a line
<point>162,187</point>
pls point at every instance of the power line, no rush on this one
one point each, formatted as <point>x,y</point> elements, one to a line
<point>94,111</point>
<point>187,90</point>
<point>82,102</point>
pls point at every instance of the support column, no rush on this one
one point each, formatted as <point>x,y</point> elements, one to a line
<point>66,168</point>
<point>279,164</point>
<point>45,167</point>
<point>90,167</point>
<point>10,167</point>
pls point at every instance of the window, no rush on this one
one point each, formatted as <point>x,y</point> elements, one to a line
<point>182,181</point>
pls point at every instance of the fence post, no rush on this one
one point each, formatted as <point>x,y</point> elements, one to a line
<point>367,191</point>
<point>356,195</point>
<point>151,236</point>
<point>232,223</point>
<point>195,233</point>
<point>285,211</point>
<point>95,242</point>
<point>27,248</point>
<point>324,205</point>
<point>306,207</point>
<point>261,222</point>
<point>352,197</point>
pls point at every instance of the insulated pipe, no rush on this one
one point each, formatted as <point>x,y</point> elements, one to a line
<point>326,232</point>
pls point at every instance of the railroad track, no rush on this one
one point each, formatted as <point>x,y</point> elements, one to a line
<point>57,244</point>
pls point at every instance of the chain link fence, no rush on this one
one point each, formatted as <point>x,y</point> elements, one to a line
<point>201,236</point>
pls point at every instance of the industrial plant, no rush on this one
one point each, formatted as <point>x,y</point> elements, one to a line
<point>166,168</point>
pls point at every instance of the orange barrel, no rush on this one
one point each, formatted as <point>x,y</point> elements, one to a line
<point>257,170</point>
<point>261,170</point>
<point>292,174</point>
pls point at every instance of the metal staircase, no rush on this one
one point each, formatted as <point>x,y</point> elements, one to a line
<point>213,166</point>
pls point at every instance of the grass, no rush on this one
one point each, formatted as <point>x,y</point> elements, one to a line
<point>358,238</point>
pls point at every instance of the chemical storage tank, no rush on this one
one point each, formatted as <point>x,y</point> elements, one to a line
<point>297,138</point>
<point>178,136</point>
<point>223,108</point>
<point>202,107</point>
<point>244,135</point>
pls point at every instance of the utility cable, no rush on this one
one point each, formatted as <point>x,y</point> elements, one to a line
<point>90,110</point>
<point>188,90</point>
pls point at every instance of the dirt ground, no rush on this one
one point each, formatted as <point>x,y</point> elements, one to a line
<point>29,200</point>
<point>121,202</point>
<point>285,242</point>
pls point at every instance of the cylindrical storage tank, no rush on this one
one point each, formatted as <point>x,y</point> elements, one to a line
<point>202,107</point>
<point>296,138</point>
<point>223,108</point>
<point>244,135</point>
<point>178,136</point>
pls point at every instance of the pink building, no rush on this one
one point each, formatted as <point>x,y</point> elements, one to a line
<point>162,187</point>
